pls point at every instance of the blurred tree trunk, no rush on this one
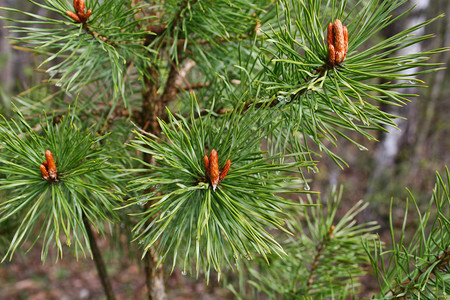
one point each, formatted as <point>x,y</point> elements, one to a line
<point>14,64</point>
<point>6,67</point>
<point>435,110</point>
<point>387,152</point>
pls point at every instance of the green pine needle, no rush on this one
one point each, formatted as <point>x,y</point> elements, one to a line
<point>184,217</point>
<point>53,212</point>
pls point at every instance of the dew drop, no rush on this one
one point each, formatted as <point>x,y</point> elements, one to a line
<point>59,84</point>
<point>307,188</point>
<point>183,272</point>
<point>362,148</point>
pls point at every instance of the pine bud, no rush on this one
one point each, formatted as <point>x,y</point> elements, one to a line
<point>82,5</point>
<point>80,15</point>
<point>330,34</point>
<point>77,5</point>
<point>73,16</point>
<point>331,54</point>
<point>345,41</point>
<point>330,43</point>
<point>225,170</point>
<point>331,231</point>
<point>44,172</point>
<point>88,13</point>
<point>339,43</point>
<point>214,169</point>
<point>51,164</point>
<point>206,163</point>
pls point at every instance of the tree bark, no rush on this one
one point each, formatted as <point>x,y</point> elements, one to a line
<point>153,107</point>
<point>154,277</point>
<point>391,143</point>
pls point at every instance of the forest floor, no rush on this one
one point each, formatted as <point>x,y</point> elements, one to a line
<point>26,277</point>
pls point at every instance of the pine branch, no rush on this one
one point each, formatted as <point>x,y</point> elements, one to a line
<point>100,37</point>
<point>58,203</point>
<point>324,261</point>
<point>319,250</point>
<point>419,269</point>
<point>440,263</point>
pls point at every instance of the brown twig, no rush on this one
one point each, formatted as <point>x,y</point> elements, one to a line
<point>443,261</point>
<point>320,248</point>
<point>99,263</point>
<point>314,266</point>
<point>194,86</point>
<point>103,38</point>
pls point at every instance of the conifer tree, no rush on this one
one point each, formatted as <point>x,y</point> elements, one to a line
<point>195,124</point>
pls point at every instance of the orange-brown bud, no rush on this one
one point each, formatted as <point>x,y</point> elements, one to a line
<point>88,13</point>
<point>214,169</point>
<point>44,172</point>
<point>331,231</point>
<point>82,5</point>
<point>73,16</point>
<point>330,44</point>
<point>206,163</point>
<point>50,164</point>
<point>225,170</point>
<point>331,54</point>
<point>339,43</point>
<point>76,5</point>
<point>330,34</point>
<point>80,11</point>
<point>345,41</point>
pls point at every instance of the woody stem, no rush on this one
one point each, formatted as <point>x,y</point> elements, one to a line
<point>98,260</point>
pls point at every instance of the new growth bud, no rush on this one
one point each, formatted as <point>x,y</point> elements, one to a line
<point>337,42</point>
<point>80,15</point>
<point>212,169</point>
<point>48,168</point>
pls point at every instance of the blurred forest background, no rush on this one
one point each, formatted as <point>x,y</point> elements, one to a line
<point>408,157</point>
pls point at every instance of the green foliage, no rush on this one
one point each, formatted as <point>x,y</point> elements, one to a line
<point>84,54</point>
<point>325,258</point>
<point>85,188</point>
<point>325,101</point>
<point>185,215</point>
<point>418,269</point>
<point>270,102</point>
<point>204,26</point>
